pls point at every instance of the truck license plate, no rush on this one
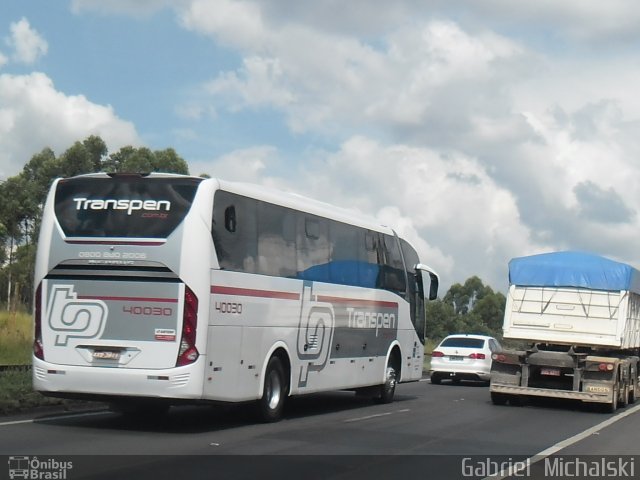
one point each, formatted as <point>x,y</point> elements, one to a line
<point>553,372</point>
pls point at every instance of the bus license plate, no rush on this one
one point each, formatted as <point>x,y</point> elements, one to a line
<point>106,355</point>
<point>552,372</point>
<point>456,358</point>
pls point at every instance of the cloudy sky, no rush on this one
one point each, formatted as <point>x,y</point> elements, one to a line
<point>479,130</point>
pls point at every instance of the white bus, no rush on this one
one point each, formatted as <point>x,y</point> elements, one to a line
<point>159,289</point>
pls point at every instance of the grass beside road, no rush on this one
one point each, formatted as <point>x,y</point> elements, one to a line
<point>16,333</point>
<point>17,395</point>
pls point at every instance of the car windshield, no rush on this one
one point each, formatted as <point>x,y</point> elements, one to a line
<point>463,342</point>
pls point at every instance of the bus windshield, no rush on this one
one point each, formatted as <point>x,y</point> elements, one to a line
<point>123,206</point>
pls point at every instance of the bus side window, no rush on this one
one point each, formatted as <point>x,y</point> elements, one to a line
<point>393,270</point>
<point>276,253</point>
<point>313,248</point>
<point>344,263</point>
<point>369,266</point>
<point>234,231</point>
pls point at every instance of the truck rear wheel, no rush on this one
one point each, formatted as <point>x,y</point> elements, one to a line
<point>624,398</point>
<point>499,398</point>
<point>613,406</point>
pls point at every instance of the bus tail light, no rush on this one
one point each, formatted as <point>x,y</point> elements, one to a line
<point>38,349</point>
<point>188,352</point>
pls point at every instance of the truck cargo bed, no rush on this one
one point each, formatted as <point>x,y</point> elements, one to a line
<point>573,316</point>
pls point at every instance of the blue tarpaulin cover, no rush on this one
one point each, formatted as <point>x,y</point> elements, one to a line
<point>573,269</point>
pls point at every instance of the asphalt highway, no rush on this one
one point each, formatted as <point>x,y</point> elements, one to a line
<point>426,432</point>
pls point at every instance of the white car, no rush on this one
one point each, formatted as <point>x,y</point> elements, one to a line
<point>463,357</point>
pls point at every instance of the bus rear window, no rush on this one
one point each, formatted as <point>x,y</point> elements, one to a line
<point>123,206</point>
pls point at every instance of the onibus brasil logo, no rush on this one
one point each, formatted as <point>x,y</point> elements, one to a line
<point>37,468</point>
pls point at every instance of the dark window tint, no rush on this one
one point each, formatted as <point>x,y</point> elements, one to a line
<point>260,237</point>
<point>345,242</point>
<point>463,342</point>
<point>276,246</point>
<point>129,207</point>
<point>394,274</point>
<point>235,232</point>
<point>312,246</point>
<point>371,260</point>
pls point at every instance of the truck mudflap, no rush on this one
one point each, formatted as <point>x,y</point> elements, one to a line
<point>604,397</point>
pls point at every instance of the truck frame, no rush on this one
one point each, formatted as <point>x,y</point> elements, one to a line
<point>579,314</point>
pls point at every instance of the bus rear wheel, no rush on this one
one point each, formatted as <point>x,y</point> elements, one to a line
<point>274,392</point>
<point>388,388</point>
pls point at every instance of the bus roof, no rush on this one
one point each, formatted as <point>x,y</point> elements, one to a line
<point>275,196</point>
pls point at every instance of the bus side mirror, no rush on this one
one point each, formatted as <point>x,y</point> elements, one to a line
<point>434,280</point>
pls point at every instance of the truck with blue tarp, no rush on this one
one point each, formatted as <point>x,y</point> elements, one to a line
<point>579,316</point>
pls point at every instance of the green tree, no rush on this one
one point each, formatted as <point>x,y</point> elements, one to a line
<point>168,160</point>
<point>97,150</point>
<point>471,307</point>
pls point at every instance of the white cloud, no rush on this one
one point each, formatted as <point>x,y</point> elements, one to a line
<point>251,165</point>
<point>3,59</point>
<point>27,42</point>
<point>34,115</point>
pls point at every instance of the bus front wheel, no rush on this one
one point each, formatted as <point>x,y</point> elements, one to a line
<point>274,393</point>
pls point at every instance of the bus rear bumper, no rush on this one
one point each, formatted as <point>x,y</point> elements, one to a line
<point>67,381</point>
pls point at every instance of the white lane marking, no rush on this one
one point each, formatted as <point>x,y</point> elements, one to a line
<point>566,443</point>
<point>590,431</point>
<point>17,422</point>
<point>57,417</point>
<point>368,417</point>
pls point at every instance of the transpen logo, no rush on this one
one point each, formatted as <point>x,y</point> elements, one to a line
<point>71,317</point>
<point>122,204</point>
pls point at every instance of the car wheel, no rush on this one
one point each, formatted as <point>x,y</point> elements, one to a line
<point>435,379</point>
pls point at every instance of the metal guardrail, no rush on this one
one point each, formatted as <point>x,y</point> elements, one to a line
<point>15,368</point>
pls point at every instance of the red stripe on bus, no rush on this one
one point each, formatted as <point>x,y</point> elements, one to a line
<point>130,299</point>
<point>357,301</point>
<point>249,292</point>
